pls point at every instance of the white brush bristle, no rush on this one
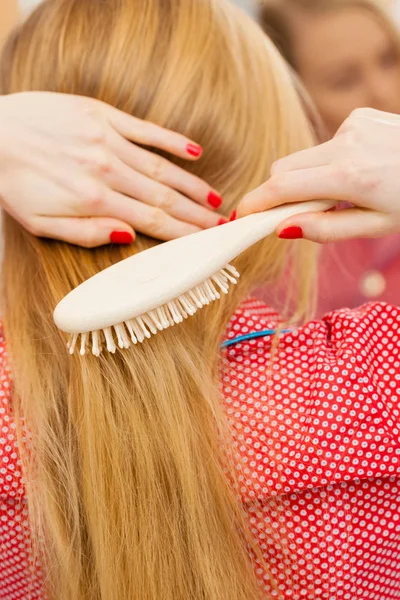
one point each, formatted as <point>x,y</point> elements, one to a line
<point>140,328</point>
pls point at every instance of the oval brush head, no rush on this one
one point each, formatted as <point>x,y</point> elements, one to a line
<point>150,291</point>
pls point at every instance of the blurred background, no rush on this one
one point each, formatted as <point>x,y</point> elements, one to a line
<point>249,6</point>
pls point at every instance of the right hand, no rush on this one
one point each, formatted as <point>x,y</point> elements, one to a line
<point>71,169</point>
<point>360,165</point>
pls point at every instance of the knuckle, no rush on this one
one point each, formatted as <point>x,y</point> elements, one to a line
<point>166,200</point>
<point>155,221</point>
<point>102,164</point>
<point>97,162</point>
<point>94,132</point>
<point>275,184</point>
<point>357,177</point>
<point>346,173</point>
<point>93,199</point>
<point>156,168</point>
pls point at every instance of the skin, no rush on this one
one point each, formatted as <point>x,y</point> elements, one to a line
<point>74,169</point>
<point>359,165</point>
<point>347,60</point>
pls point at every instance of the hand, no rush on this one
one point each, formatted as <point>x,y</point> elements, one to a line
<point>360,165</point>
<point>69,170</point>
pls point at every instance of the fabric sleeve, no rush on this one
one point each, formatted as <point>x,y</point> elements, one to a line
<point>323,408</point>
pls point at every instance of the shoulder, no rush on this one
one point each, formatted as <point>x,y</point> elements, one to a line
<point>361,335</point>
<point>324,406</point>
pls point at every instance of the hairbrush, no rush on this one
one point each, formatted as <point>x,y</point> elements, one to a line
<point>150,291</point>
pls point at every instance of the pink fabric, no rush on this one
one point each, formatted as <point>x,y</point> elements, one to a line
<point>345,265</point>
<point>317,431</point>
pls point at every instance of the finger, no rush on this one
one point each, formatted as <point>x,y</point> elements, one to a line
<point>138,186</point>
<point>299,186</point>
<point>317,156</point>
<point>149,134</point>
<point>86,232</point>
<point>158,168</point>
<point>150,220</point>
<point>326,227</point>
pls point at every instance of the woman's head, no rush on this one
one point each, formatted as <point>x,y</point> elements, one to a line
<point>347,53</point>
<point>127,492</point>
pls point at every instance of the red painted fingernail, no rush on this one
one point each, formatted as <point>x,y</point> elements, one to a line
<point>214,199</point>
<point>291,233</point>
<point>121,237</point>
<point>194,150</point>
<point>233,215</point>
<point>222,221</point>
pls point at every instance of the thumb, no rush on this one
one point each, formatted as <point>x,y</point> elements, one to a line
<point>86,232</point>
<point>326,227</point>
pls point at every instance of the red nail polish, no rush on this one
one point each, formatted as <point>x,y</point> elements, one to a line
<point>233,215</point>
<point>222,221</point>
<point>121,237</point>
<point>194,150</point>
<point>214,199</point>
<point>291,233</point>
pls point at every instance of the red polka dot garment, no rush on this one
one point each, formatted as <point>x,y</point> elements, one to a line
<point>317,430</point>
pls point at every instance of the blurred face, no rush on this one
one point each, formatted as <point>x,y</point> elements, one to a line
<point>347,60</point>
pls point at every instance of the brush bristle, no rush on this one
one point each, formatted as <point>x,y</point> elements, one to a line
<point>142,327</point>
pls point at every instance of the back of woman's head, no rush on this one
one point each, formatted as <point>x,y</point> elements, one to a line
<point>130,494</point>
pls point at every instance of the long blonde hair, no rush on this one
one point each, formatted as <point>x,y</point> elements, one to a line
<point>276,18</point>
<point>130,471</point>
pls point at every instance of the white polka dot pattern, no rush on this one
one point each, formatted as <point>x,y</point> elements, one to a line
<point>316,433</point>
<point>19,577</point>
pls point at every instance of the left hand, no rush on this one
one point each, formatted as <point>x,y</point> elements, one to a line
<point>74,169</point>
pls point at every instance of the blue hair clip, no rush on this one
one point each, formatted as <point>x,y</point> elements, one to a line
<point>252,336</point>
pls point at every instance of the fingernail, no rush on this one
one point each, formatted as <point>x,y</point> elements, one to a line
<point>214,199</point>
<point>291,233</point>
<point>222,221</point>
<point>233,215</point>
<point>121,237</point>
<point>194,150</point>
